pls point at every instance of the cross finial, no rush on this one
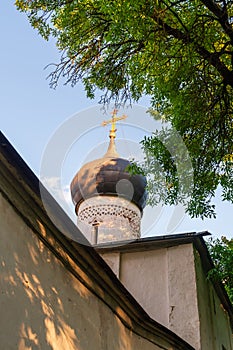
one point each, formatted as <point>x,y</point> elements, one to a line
<point>113,121</point>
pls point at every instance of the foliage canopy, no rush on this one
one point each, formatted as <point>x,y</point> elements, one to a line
<point>180,53</point>
<point>221,251</point>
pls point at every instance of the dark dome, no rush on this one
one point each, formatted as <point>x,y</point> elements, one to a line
<point>108,176</point>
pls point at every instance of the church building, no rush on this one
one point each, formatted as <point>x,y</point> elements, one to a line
<point>98,284</point>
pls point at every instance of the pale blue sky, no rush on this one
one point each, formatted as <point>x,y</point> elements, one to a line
<point>30,111</point>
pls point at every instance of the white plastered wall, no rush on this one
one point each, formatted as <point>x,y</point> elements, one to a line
<point>163,282</point>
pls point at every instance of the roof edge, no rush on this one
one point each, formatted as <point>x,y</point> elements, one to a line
<point>150,243</point>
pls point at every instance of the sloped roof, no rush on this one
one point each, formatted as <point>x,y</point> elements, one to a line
<point>22,189</point>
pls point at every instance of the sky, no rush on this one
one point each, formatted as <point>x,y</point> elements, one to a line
<point>35,118</point>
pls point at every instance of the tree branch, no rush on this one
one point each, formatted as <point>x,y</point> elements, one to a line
<point>212,58</point>
<point>222,16</point>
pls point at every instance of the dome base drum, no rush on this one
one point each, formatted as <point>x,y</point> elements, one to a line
<point>107,218</point>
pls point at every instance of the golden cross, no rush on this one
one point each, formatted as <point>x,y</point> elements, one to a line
<point>113,121</point>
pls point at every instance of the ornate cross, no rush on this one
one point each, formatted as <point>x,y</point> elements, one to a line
<point>113,121</point>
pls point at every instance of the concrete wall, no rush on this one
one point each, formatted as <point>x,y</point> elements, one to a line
<point>43,306</point>
<point>138,272</point>
<point>171,286</point>
<point>163,282</point>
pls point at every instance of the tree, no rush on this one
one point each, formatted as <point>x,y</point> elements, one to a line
<point>180,53</point>
<point>221,252</point>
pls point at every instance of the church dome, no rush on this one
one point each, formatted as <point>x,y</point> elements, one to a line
<point>108,176</point>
